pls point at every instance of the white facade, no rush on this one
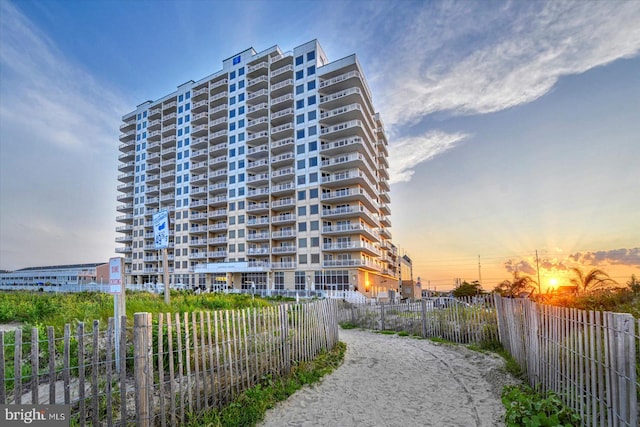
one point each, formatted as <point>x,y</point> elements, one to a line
<point>274,173</point>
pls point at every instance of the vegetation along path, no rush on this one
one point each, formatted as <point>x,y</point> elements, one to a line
<point>388,380</point>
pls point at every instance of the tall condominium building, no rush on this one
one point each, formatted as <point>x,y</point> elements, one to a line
<point>274,173</point>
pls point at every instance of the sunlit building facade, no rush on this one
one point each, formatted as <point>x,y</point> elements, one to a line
<point>274,171</point>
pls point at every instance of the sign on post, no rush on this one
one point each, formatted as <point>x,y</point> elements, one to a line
<point>161,229</point>
<point>115,276</point>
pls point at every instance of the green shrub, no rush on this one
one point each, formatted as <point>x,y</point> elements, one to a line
<point>526,408</point>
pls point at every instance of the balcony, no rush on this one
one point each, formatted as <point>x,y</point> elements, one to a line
<point>128,136</point>
<point>344,81</point>
<point>343,113</point>
<point>282,116</point>
<point>257,96</point>
<point>220,187</point>
<point>282,130</point>
<point>283,218</point>
<point>283,234</point>
<point>127,197</point>
<point>258,124</point>
<point>218,149</point>
<point>256,237</point>
<point>351,246</point>
<point>219,123</point>
<point>220,110</point>
<point>260,68</point>
<point>283,174</point>
<point>280,88</point>
<point>219,98</point>
<point>200,106</point>
<point>264,250</point>
<point>289,265</point>
<point>282,101</point>
<point>287,187</point>
<point>282,73</point>
<point>126,167</point>
<point>217,84</point>
<point>281,145</point>
<point>283,204</point>
<point>257,222</point>
<point>329,263</point>
<point>258,207</point>
<point>197,94</point>
<point>126,177</point>
<point>258,165</point>
<point>335,100</point>
<point>258,136</point>
<point>218,136</point>
<point>218,254</point>
<point>258,83</point>
<point>258,152</point>
<point>258,179</point>
<point>257,193</point>
<point>351,228</point>
<point>257,110</point>
<point>346,129</point>
<point>284,249</point>
<point>218,213</point>
<point>350,194</point>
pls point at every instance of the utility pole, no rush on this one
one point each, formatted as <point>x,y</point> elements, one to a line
<point>538,270</point>
<point>479,272</point>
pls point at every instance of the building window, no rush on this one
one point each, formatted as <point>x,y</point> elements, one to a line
<point>300,119</point>
<point>301,164</point>
<point>302,259</point>
<point>299,61</point>
<point>311,55</point>
<point>302,194</point>
<point>302,226</point>
<point>300,134</point>
<point>311,85</point>
<point>299,74</point>
<point>311,100</point>
<point>299,89</point>
<point>313,146</point>
<point>311,70</point>
<point>313,193</point>
<point>313,161</point>
<point>299,104</point>
<point>302,210</point>
<point>313,209</point>
<point>312,130</point>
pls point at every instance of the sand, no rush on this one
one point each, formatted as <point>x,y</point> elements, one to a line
<point>387,380</point>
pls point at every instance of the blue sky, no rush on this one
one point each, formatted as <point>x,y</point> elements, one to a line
<point>513,126</point>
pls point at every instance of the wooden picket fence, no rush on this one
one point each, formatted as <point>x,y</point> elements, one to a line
<point>461,320</point>
<point>170,365</point>
<point>589,358</point>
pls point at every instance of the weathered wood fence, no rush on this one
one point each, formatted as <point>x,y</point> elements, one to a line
<point>170,364</point>
<point>464,320</point>
<point>589,358</point>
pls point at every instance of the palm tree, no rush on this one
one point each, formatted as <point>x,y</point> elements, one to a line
<point>519,285</point>
<point>593,280</point>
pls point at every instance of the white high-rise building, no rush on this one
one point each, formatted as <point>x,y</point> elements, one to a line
<point>274,172</point>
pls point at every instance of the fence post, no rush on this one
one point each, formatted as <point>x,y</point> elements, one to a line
<point>142,373</point>
<point>382,316</point>
<point>423,304</point>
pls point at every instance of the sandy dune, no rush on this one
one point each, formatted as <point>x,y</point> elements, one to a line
<point>387,380</point>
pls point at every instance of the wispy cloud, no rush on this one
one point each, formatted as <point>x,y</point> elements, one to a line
<point>468,58</point>
<point>513,57</point>
<point>629,257</point>
<point>59,133</point>
<point>407,153</point>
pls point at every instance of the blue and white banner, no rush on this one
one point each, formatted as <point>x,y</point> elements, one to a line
<point>161,229</point>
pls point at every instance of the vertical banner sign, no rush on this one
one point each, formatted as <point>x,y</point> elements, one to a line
<point>115,275</point>
<point>161,229</point>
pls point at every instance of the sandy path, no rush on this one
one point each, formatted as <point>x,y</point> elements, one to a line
<point>387,380</point>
